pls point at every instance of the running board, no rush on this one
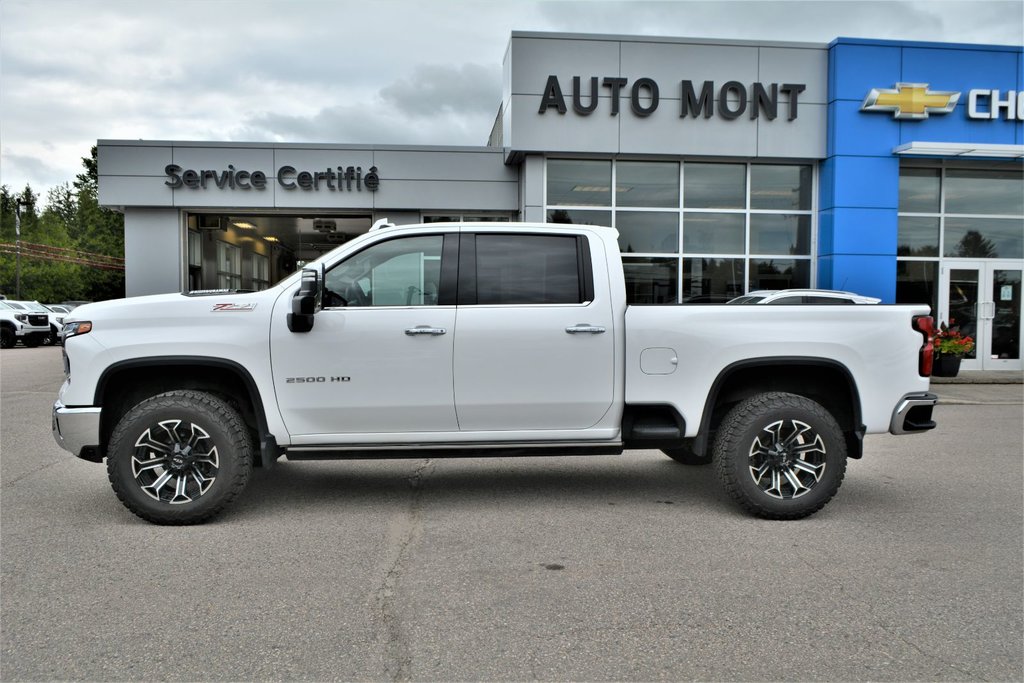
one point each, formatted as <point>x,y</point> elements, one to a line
<point>452,450</point>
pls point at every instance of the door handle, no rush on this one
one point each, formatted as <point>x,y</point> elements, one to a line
<point>988,310</point>
<point>425,329</point>
<point>585,329</point>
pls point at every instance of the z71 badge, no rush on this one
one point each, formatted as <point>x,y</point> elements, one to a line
<point>245,308</point>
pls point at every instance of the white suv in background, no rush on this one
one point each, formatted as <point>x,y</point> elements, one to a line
<point>54,321</point>
<point>32,328</point>
<point>782,297</point>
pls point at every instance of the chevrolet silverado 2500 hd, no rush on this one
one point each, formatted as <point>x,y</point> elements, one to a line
<point>480,339</point>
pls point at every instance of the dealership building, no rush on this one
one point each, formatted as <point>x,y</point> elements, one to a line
<point>888,168</point>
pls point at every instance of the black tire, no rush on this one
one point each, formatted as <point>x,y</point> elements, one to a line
<point>7,338</point>
<point>780,456</point>
<point>154,441</point>
<point>683,454</point>
<point>33,340</point>
<point>54,338</point>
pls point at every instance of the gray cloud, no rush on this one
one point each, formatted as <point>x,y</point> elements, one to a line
<point>443,88</point>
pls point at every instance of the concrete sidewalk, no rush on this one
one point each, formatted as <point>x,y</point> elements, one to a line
<point>980,388</point>
<point>983,377</point>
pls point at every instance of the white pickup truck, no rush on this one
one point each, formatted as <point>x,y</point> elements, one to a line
<point>480,339</point>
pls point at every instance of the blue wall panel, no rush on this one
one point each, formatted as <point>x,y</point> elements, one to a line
<point>959,69</point>
<point>866,181</point>
<point>869,275</point>
<point>859,68</point>
<point>861,135</point>
<point>956,127</point>
<point>864,231</point>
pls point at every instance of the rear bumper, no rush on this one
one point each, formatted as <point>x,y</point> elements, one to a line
<point>913,414</point>
<point>77,430</point>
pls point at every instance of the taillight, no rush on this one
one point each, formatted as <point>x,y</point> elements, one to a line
<point>925,324</point>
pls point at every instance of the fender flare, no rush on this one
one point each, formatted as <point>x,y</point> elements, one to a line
<point>269,449</point>
<point>854,444</point>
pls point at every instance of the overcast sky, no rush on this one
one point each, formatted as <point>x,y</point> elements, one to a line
<point>368,71</point>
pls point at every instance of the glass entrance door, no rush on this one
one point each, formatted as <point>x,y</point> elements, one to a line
<point>983,299</point>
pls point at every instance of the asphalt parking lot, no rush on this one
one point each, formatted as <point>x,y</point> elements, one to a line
<point>606,568</point>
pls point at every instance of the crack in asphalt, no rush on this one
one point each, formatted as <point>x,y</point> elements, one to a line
<point>397,658</point>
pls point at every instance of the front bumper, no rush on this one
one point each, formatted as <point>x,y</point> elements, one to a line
<point>913,414</point>
<point>77,430</point>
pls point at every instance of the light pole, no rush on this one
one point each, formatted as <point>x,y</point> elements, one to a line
<point>17,247</point>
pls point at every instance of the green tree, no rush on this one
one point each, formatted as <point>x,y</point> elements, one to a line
<point>97,230</point>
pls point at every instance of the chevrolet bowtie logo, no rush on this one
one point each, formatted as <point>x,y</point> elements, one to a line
<point>910,101</point>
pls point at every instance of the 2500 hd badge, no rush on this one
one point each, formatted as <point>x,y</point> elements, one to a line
<point>315,380</point>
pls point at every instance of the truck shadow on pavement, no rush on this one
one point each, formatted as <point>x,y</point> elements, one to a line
<point>470,484</point>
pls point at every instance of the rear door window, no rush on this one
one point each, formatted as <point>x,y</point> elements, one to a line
<point>529,269</point>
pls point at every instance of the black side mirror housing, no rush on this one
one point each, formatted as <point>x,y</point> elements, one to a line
<point>305,302</point>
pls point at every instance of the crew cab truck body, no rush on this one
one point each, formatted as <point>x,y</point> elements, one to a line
<point>480,339</point>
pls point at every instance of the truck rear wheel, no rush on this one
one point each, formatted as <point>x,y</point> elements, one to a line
<point>780,456</point>
<point>179,457</point>
<point>684,454</point>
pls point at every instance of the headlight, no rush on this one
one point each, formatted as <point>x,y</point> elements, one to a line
<point>76,328</point>
<point>21,317</point>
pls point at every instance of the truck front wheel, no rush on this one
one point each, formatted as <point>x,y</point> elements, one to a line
<point>179,457</point>
<point>780,456</point>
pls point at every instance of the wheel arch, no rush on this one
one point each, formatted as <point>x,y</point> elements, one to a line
<point>118,389</point>
<point>823,380</point>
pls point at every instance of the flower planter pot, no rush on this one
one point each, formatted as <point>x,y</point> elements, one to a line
<point>946,366</point>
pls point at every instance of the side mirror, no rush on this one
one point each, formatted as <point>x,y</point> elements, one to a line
<point>305,302</point>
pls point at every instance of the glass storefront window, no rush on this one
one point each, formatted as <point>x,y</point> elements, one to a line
<point>714,186</point>
<point>773,233</point>
<point>577,217</point>
<point>643,183</point>
<point>919,190</point>
<point>713,233</point>
<point>712,281</point>
<point>647,232</point>
<point>983,191</point>
<point>732,232</point>
<point>917,236</point>
<point>779,274</point>
<point>916,283</point>
<point>579,182</point>
<point>651,280</point>
<point>783,188</point>
<point>984,237</point>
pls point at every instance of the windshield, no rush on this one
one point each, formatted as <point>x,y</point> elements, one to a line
<point>36,306</point>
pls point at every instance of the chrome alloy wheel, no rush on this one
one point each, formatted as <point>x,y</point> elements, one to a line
<point>175,462</point>
<point>787,459</point>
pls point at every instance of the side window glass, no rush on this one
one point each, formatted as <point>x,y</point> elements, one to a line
<point>399,272</point>
<point>787,301</point>
<point>527,269</point>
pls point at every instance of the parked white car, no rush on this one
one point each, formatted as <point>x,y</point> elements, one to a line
<point>785,297</point>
